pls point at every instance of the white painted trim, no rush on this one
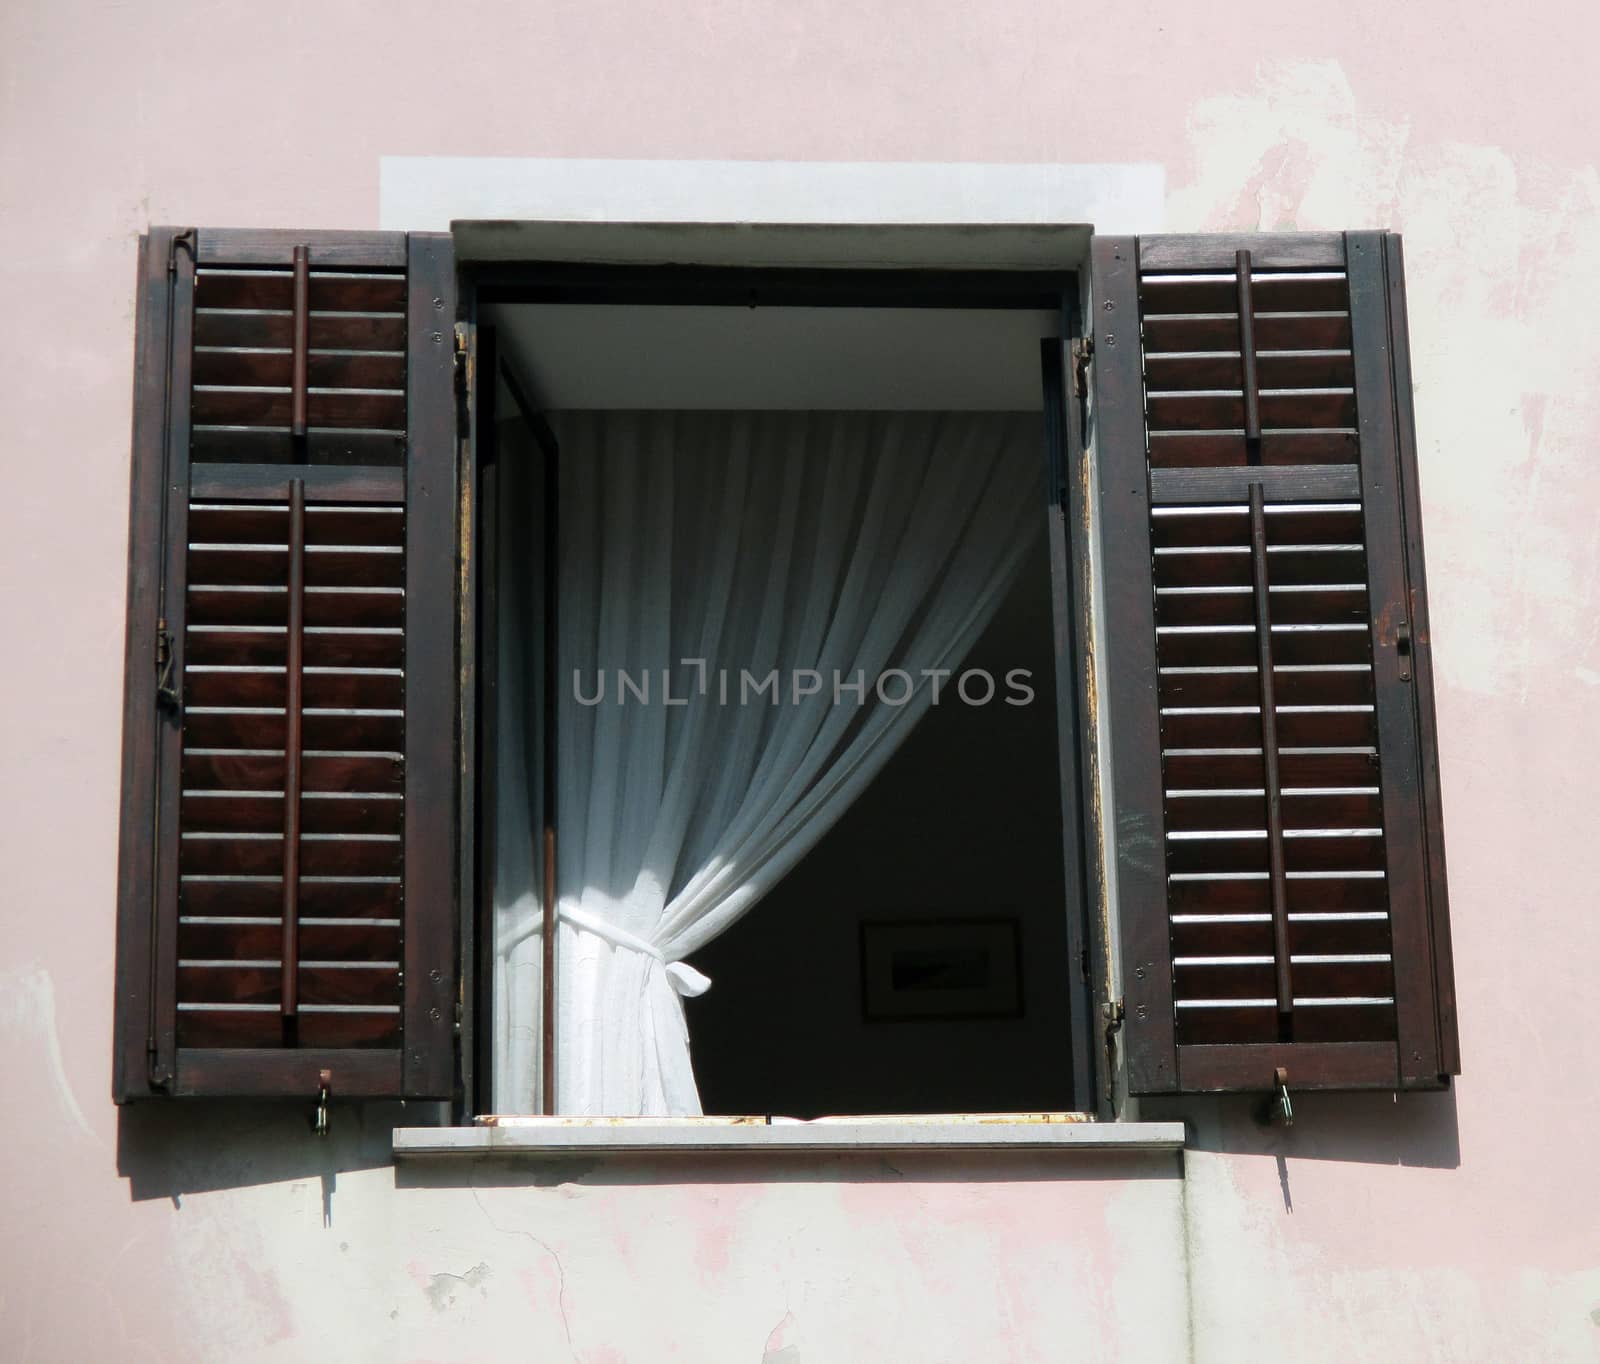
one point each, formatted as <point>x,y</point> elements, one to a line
<point>832,1137</point>
<point>429,193</point>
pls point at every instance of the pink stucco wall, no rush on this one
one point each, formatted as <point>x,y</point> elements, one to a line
<point>1456,1227</point>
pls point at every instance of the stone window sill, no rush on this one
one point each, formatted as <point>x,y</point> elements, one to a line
<point>523,1136</point>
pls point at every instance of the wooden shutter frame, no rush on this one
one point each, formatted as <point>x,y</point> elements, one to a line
<point>1429,794</point>
<point>147,1061</point>
<point>434,558</point>
<point>134,1042</point>
<point>1426,1051</point>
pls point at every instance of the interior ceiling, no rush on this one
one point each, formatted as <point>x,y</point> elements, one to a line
<point>659,356</point>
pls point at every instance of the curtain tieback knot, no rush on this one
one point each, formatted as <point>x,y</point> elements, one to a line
<point>685,979</point>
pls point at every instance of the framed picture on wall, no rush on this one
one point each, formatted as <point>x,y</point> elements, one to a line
<point>941,969</point>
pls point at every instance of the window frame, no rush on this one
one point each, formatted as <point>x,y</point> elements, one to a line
<point>482,284</point>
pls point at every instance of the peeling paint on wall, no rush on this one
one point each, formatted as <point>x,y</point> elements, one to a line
<point>1499,250</point>
<point>28,1030</point>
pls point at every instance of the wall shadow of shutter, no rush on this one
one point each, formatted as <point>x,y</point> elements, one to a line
<point>1275,781</point>
<point>287,886</point>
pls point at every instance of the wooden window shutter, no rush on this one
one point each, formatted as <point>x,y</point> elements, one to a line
<point>287,874</point>
<point>1278,845</point>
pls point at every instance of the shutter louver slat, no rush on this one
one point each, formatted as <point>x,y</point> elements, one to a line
<point>234,711</point>
<point>1222,997</point>
<point>244,356</point>
<point>1255,932</point>
<point>274,929</point>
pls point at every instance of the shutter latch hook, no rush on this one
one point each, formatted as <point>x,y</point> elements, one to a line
<point>1281,1109</point>
<point>319,1121</point>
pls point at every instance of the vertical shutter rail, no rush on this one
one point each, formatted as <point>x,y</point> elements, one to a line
<point>1422,659</point>
<point>1136,822</point>
<point>1247,358</point>
<point>434,562</point>
<point>1269,752</point>
<point>181,272</point>
<point>1399,741</point>
<point>292,749</point>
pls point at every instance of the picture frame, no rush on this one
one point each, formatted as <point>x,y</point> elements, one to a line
<point>941,969</point>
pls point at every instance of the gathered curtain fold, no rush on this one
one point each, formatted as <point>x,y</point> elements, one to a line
<point>755,610</point>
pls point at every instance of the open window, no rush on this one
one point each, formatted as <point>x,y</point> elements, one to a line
<point>485,669</point>
<point>767,577</point>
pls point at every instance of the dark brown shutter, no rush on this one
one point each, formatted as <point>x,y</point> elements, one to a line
<point>1278,846</point>
<point>287,872</point>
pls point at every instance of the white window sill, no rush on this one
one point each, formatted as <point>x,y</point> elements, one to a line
<point>599,1136</point>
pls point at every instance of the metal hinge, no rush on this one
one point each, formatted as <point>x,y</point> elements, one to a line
<point>1082,352</point>
<point>160,1075</point>
<point>186,238</point>
<point>1112,1014</point>
<point>1402,648</point>
<point>166,691</point>
<point>463,374</point>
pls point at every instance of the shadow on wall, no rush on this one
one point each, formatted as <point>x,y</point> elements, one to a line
<point>166,1149</point>
<point>1369,1129</point>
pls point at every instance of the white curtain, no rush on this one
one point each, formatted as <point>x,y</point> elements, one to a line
<point>700,553</point>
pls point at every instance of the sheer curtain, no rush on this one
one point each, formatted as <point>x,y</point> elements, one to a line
<point>856,556</point>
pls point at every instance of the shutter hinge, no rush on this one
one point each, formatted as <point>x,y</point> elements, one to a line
<point>1402,648</point>
<point>166,691</point>
<point>1111,1011</point>
<point>1082,353</point>
<point>463,376</point>
<point>160,1075</point>
<point>186,238</point>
